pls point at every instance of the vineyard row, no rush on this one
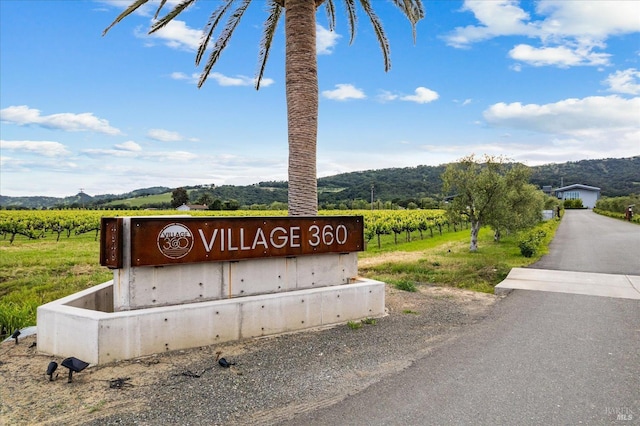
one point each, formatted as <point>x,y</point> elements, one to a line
<point>38,224</point>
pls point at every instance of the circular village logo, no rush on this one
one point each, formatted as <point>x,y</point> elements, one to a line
<point>175,241</point>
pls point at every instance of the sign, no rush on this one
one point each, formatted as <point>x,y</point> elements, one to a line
<point>173,240</point>
<point>111,242</point>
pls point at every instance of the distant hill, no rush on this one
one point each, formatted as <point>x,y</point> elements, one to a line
<point>408,183</point>
<point>615,177</point>
<point>79,200</point>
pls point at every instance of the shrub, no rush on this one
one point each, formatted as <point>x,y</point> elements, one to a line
<point>405,285</point>
<point>354,325</point>
<point>615,215</point>
<point>14,316</point>
<point>573,204</point>
<point>529,243</point>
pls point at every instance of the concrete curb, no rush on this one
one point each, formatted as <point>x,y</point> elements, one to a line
<point>585,283</point>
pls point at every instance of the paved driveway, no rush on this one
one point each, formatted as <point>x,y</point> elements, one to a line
<point>590,254</point>
<point>589,242</point>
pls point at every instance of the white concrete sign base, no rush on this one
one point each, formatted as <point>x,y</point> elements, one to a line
<point>84,324</point>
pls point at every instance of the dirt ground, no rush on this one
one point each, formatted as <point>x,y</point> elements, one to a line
<point>27,397</point>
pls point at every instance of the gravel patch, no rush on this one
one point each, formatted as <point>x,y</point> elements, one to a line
<point>272,380</point>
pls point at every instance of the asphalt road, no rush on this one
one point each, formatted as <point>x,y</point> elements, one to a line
<point>539,358</point>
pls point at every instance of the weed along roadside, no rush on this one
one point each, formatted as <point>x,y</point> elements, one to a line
<point>449,263</point>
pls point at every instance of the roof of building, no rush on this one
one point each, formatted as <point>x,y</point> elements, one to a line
<point>577,186</point>
<point>193,207</point>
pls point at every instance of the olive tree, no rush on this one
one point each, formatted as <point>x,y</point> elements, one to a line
<point>521,205</point>
<point>492,192</point>
<point>179,196</point>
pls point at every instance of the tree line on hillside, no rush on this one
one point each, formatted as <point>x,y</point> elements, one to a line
<point>616,177</point>
<point>407,187</point>
<point>413,187</point>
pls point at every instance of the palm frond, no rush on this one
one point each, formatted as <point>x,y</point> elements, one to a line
<point>169,16</point>
<point>223,39</point>
<point>331,14</point>
<point>350,5</point>
<point>377,27</point>
<point>270,26</point>
<point>128,11</point>
<point>207,33</point>
<point>413,10</point>
<point>160,6</point>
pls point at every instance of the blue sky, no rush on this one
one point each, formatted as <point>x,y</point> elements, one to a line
<point>536,82</point>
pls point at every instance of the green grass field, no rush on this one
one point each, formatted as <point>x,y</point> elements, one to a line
<point>139,201</point>
<point>33,272</point>
<point>446,261</point>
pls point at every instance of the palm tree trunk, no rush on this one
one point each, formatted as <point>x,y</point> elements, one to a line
<point>301,74</point>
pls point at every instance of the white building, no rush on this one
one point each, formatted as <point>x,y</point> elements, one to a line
<point>187,207</point>
<point>588,194</point>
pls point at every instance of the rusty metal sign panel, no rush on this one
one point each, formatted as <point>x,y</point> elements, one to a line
<point>111,242</point>
<point>164,241</point>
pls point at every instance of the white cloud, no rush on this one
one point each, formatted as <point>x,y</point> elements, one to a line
<point>33,165</point>
<point>422,96</point>
<point>106,152</point>
<point>325,40</point>
<point>193,78</point>
<point>588,117</point>
<point>561,56</point>
<point>238,80</point>
<point>627,81</point>
<point>593,20</point>
<point>179,156</point>
<point>223,80</point>
<point>465,102</point>
<point>145,10</point>
<point>23,115</point>
<point>44,148</point>
<point>496,18</point>
<point>129,146</point>
<point>161,156</point>
<point>569,32</point>
<point>176,34</point>
<point>344,92</point>
<point>164,135</point>
<point>386,96</point>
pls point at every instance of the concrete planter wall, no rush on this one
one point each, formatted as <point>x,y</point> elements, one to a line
<point>81,325</point>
